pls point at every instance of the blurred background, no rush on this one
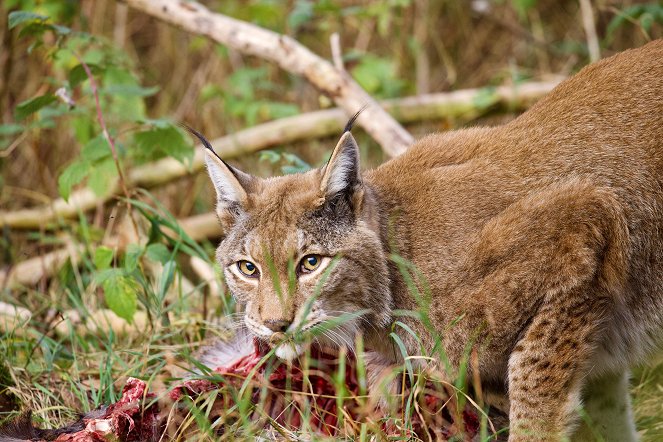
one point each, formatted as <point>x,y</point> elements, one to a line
<point>149,76</point>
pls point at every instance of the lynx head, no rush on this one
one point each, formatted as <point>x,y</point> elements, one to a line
<point>303,252</point>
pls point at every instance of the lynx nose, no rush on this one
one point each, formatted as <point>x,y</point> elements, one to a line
<point>277,325</point>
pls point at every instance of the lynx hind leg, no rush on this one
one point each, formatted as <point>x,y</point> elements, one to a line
<point>549,364</point>
<point>565,251</point>
<point>607,411</point>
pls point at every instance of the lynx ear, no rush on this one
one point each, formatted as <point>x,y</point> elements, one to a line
<point>230,184</point>
<point>342,174</point>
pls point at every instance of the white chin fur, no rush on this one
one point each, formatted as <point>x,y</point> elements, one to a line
<point>288,351</point>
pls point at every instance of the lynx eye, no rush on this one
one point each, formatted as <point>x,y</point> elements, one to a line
<point>309,263</point>
<point>247,268</point>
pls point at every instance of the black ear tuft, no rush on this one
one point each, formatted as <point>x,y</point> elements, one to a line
<point>231,184</point>
<point>351,121</point>
<point>202,139</point>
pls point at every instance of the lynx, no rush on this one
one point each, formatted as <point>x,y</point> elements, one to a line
<point>540,241</point>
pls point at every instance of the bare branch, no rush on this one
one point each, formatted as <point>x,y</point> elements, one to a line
<point>290,56</point>
<point>590,30</point>
<point>337,53</point>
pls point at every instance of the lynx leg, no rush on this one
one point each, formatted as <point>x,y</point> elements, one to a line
<point>607,403</point>
<point>548,366</point>
<point>556,263</point>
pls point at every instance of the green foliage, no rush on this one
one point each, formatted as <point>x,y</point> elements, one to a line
<point>384,13</point>
<point>121,99</point>
<point>95,163</point>
<point>378,76</point>
<point>72,175</point>
<point>120,293</point>
<point>301,14</point>
<point>289,162</point>
<point>160,141</point>
<point>158,253</point>
<point>28,107</point>
<point>522,7</point>
<point>103,257</point>
<point>644,14</point>
<point>18,17</point>
<point>242,96</point>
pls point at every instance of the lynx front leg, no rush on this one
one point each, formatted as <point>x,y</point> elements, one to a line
<point>548,366</point>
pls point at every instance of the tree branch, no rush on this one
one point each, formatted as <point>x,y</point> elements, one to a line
<point>30,271</point>
<point>290,56</point>
<point>457,105</point>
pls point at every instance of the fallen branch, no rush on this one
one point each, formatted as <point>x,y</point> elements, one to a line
<point>290,56</point>
<point>461,105</point>
<point>30,271</point>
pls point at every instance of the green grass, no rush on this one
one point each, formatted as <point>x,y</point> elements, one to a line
<point>647,394</point>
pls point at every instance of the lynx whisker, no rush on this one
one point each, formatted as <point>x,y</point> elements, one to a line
<point>361,318</point>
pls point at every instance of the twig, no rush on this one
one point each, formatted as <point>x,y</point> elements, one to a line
<point>107,136</point>
<point>290,56</point>
<point>8,151</point>
<point>456,105</point>
<point>337,54</point>
<point>590,30</point>
<point>102,123</point>
<point>120,29</point>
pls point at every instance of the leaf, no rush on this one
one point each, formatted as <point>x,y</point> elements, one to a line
<point>523,7</point>
<point>297,165</point>
<point>104,275</point>
<point>18,17</point>
<point>32,105</point>
<point>166,279</point>
<point>77,74</point>
<point>270,156</point>
<point>124,92</point>
<point>10,129</point>
<point>131,256</point>
<point>120,296</point>
<point>158,142</point>
<point>72,175</point>
<point>645,14</point>
<point>131,90</point>
<point>103,257</point>
<point>646,21</point>
<point>61,30</point>
<point>280,110</point>
<point>84,128</point>
<point>101,176</point>
<point>160,123</point>
<point>378,76</point>
<point>158,253</point>
<point>301,14</point>
<point>485,98</point>
<point>96,149</point>
<point>35,29</point>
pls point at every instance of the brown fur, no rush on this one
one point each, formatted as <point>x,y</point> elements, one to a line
<point>541,241</point>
